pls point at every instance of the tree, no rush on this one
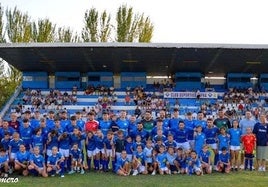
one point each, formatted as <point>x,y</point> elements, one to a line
<point>106,27</point>
<point>146,29</point>
<point>19,26</point>
<point>2,34</point>
<point>44,31</point>
<point>66,35</point>
<point>132,27</point>
<point>90,31</point>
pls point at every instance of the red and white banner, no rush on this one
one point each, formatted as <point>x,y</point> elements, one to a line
<point>205,95</point>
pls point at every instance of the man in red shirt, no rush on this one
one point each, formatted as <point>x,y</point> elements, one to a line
<point>14,123</point>
<point>249,144</point>
<point>91,124</point>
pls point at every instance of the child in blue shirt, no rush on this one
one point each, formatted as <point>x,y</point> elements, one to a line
<point>139,161</point>
<point>99,140</point>
<point>37,163</point>
<point>161,162</point>
<point>224,165</point>
<point>76,158</point>
<point>22,160</point>
<point>4,162</point>
<point>235,136</point>
<point>52,141</point>
<point>199,138</point>
<point>148,151</point>
<point>55,163</point>
<point>205,158</point>
<point>109,153</point>
<point>5,141</point>
<point>171,157</point>
<point>37,140</point>
<point>180,161</point>
<point>194,164</point>
<point>122,166</point>
<point>91,148</point>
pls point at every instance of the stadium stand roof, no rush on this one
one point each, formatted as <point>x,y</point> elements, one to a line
<point>153,58</point>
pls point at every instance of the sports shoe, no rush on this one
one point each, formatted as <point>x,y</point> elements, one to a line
<point>58,171</point>
<point>62,176</point>
<point>71,172</point>
<point>135,173</point>
<point>153,172</point>
<point>241,167</point>
<point>260,169</point>
<point>53,175</point>
<point>5,175</point>
<point>263,168</point>
<point>82,172</point>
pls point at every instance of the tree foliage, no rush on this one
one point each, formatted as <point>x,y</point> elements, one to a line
<point>18,26</point>
<point>43,31</point>
<point>66,35</point>
<point>2,33</point>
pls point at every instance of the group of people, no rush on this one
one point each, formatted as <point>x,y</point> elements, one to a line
<point>60,144</point>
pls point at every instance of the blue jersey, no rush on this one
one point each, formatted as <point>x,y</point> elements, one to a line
<point>143,134</point>
<point>77,139</point>
<point>99,141</point>
<point>105,126</point>
<point>123,126</point>
<point>132,130</point>
<point>3,159</point>
<point>37,160</point>
<point>161,158</point>
<point>135,144</point>
<point>149,154</point>
<point>261,132</point>
<point>91,145</point>
<point>120,162</point>
<point>154,131</point>
<point>53,143</point>
<point>35,123</point>
<point>38,141</point>
<point>22,156</point>
<point>76,154</point>
<point>181,135</point>
<point>200,139</point>
<point>224,157</point>
<point>141,157</point>
<point>211,134</point>
<point>223,141</point>
<point>15,145</point>
<point>174,124</point>
<point>50,123</point>
<point>5,143</point>
<point>194,162</point>
<point>64,123</point>
<point>129,147</point>
<point>202,123</point>
<point>190,125</point>
<point>64,143</point>
<point>80,123</point>
<point>26,135</point>
<point>171,144</point>
<point>9,130</point>
<point>235,136</point>
<point>107,143</point>
<point>204,156</point>
<point>70,128</point>
<point>181,160</point>
<point>166,123</point>
<point>45,131</point>
<point>60,130</point>
<point>53,159</point>
<point>171,158</point>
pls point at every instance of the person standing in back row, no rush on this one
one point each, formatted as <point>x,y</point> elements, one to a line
<point>222,121</point>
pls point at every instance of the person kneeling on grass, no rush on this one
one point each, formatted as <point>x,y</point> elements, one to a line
<point>224,164</point>
<point>139,161</point>
<point>205,158</point>
<point>194,165</point>
<point>37,163</point>
<point>122,166</point>
<point>76,158</point>
<point>161,162</point>
<point>3,163</point>
<point>55,163</point>
<point>22,160</point>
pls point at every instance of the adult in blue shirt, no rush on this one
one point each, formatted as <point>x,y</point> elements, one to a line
<point>5,128</point>
<point>123,122</point>
<point>261,132</point>
<point>174,121</point>
<point>26,133</point>
<point>105,123</point>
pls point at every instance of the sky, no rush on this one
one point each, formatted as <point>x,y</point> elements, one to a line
<point>175,21</point>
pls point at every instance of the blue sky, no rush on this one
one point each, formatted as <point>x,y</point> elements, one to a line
<point>175,21</point>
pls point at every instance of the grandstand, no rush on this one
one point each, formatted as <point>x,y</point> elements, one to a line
<point>210,69</point>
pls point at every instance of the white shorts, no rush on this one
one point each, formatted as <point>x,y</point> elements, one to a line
<point>109,152</point>
<point>164,169</point>
<point>49,152</point>
<point>91,153</point>
<point>65,152</point>
<point>129,157</point>
<point>235,148</point>
<point>197,169</point>
<point>184,145</point>
<point>141,168</point>
<point>191,142</point>
<point>12,155</point>
<point>99,151</point>
<point>213,146</point>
